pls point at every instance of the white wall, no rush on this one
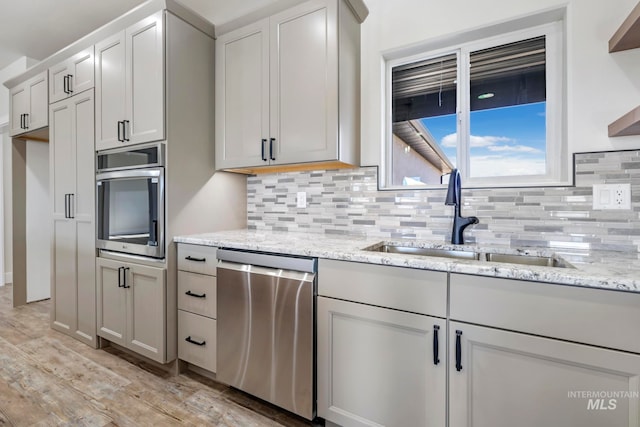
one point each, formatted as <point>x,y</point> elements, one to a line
<point>38,222</point>
<point>601,87</point>
<point>6,256</point>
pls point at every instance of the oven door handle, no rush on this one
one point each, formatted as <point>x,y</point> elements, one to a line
<point>153,238</point>
<point>132,173</point>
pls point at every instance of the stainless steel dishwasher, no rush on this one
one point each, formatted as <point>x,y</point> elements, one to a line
<point>265,327</point>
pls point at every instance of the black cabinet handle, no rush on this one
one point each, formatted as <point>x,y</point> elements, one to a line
<point>120,276</point>
<point>22,121</point>
<point>125,124</point>
<point>124,275</point>
<point>458,351</point>
<point>65,83</point>
<point>66,206</point>
<point>271,141</point>
<point>188,339</point>
<point>264,155</point>
<point>71,210</point>
<point>436,345</point>
<point>119,137</point>
<point>26,120</point>
<point>190,258</point>
<point>69,76</point>
<point>191,294</point>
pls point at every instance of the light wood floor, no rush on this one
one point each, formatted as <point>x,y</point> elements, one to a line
<point>49,379</point>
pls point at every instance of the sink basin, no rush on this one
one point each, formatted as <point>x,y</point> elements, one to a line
<point>543,261</point>
<point>410,250</point>
<point>535,260</point>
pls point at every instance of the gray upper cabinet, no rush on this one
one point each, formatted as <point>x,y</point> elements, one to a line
<point>29,105</point>
<point>129,73</point>
<point>277,80</point>
<point>71,76</point>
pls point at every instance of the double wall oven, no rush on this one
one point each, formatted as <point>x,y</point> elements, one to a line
<point>130,200</point>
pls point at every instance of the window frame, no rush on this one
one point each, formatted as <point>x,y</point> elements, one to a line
<point>556,141</point>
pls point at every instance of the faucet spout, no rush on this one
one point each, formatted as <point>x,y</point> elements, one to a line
<point>454,198</point>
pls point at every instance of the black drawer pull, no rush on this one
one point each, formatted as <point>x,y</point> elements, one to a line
<point>190,258</point>
<point>436,344</point>
<point>191,294</point>
<point>458,351</point>
<point>188,339</point>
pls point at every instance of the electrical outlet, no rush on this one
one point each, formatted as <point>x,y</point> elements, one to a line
<point>301,199</point>
<point>612,196</point>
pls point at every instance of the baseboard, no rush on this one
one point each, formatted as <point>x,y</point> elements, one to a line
<point>8,278</point>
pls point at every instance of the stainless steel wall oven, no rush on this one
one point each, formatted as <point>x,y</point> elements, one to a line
<point>130,200</point>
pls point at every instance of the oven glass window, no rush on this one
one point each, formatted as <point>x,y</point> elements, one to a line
<point>129,159</point>
<point>128,210</point>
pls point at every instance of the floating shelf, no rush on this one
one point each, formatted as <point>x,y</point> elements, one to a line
<point>629,124</point>
<point>628,35</point>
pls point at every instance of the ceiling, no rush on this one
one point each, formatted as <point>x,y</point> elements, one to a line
<point>39,28</point>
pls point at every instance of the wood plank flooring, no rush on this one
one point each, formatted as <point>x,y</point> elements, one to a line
<point>49,379</point>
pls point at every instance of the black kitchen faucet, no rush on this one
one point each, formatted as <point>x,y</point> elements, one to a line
<point>454,198</point>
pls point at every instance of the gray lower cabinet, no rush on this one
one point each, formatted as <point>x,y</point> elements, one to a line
<point>379,362</point>
<point>538,354</point>
<point>197,305</point>
<point>131,312</point>
<point>378,366</point>
<point>511,352</point>
<point>506,379</point>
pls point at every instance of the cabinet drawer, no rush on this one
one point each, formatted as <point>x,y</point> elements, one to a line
<point>417,291</point>
<point>197,340</point>
<point>197,293</point>
<point>599,317</point>
<point>197,259</point>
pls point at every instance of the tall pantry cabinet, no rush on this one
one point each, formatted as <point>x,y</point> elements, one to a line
<point>72,197</point>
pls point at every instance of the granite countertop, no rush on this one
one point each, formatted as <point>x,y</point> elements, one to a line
<point>598,269</point>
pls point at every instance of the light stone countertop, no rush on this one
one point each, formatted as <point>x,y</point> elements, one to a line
<point>598,269</point>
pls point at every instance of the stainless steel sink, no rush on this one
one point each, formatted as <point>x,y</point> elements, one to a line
<point>543,261</point>
<point>535,260</point>
<point>432,252</point>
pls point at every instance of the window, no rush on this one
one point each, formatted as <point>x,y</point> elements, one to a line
<point>491,108</point>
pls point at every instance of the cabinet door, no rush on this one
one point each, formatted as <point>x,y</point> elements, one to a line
<point>62,182</point>
<point>242,97</point>
<point>376,366</point>
<point>145,80</point>
<point>84,214</point>
<point>508,379</point>
<point>57,78</point>
<point>18,98</point>
<point>38,102</point>
<point>77,71</point>
<point>110,90</point>
<point>111,301</point>
<point>146,305</point>
<point>72,197</point>
<point>304,83</point>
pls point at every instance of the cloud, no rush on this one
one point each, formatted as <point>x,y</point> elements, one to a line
<point>513,148</point>
<point>496,165</point>
<point>451,140</point>
<point>487,141</point>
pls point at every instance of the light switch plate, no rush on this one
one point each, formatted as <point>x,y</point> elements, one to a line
<point>301,199</point>
<point>612,196</point>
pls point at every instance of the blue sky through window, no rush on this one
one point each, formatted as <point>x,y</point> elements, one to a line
<point>507,141</point>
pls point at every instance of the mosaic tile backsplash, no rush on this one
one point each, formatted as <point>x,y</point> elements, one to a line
<point>348,202</point>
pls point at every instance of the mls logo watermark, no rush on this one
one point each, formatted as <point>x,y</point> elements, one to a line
<point>602,400</point>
